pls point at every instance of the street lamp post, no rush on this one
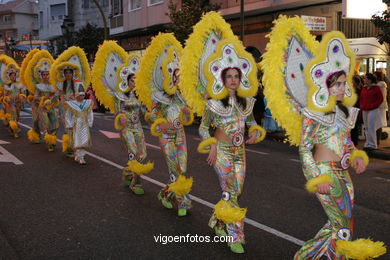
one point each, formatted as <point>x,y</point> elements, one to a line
<point>67,29</point>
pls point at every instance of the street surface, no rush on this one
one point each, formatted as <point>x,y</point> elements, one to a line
<point>53,208</point>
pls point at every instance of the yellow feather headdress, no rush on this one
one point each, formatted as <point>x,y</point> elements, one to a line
<point>131,66</point>
<point>7,65</point>
<point>40,61</point>
<point>206,35</point>
<point>25,62</point>
<point>109,61</point>
<point>78,58</point>
<point>152,77</point>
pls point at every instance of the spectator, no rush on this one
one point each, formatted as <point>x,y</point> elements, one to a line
<point>370,100</point>
<point>358,85</point>
<point>91,95</point>
<point>380,76</point>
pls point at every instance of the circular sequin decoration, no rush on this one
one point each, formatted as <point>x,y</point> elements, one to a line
<point>131,156</point>
<point>160,68</point>
<point>338,63</point>
<point>134,118</point>
<point>244,65</point>
<point>336,48</point>
<point>215,68</point>
<point>318,73</point>
<point>345,161</point>
<point>344,234</point>
<point>172,177</point>
<point>112,60</point>
<point>293,75</point>
<point>322,97</point>
<point>228,51</point>
<point>213,41</point>
<point>230,60</point>
<point>115,68</point>
<point>170,70</point>
<point>298,50</point>
<point>237,139</point>
<point>110,75</point>
<point>301,66</point>
<point>176,123</point>
<point>225,195</point>
<point>125,72</point>
<point>134,62</point>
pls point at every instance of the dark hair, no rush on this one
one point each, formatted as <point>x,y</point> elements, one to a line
<point>332,78</point>
<point>343,108</point>
<point>379,75</point>
<point>64,86</point>
<point>69,70</point>
<point>371,77</point>
<point>240,100</point>
<point>129,76</point>
<point>357,80</point>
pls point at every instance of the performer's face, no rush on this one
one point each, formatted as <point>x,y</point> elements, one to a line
<point>68,74</point>
<point>338,89</point>
<point>130,82</point>
<point>232,79</point>
<point>80,98</point>
<point>175,77</point>
<point>12,76</point>
<point>45,75</point>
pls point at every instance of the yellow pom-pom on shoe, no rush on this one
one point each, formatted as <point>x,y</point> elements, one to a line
<point>190,119</point>
<point>139,168</point>
<point>32,135</point>
<point>311,185</point>
<point>181,186</point>
<point>155,129</point>
<point>117,122</point>
<point>359,154</point>
<point>13,125</point>
<point>360,249</point>
<point>30,99</point>
<point>50,139</point>
<point>261,130</point>
<point>2,115</point>
<point>65,142</point>
<point>204,146</point>
<point>8,116</point>
<point>228,214</point>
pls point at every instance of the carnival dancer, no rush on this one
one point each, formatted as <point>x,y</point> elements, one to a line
<point>219,81</point>
<point>156,86</point>
<point>13,96</point>
<point>69,70</point>
<point>43,98</point>
<point>78,120</point>
<point>113,82</point>
<point>34,137</point>
<point>309,91</point>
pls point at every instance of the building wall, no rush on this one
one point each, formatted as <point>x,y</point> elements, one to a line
<point>51,26</point>
<point>81,16</point>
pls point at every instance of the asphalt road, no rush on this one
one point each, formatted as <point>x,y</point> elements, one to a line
<point>53,208</point>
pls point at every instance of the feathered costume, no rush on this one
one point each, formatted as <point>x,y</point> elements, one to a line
<point>73,59</point>
<point>110,74</point>
<point>296,69</point>
<point>42,98</point>
<point>211,49</point>
<point>12,93</point>
<point>154,85</point>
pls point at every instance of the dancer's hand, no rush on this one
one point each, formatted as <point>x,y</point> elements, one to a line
<point>358,165</point>
<point>324,188</point>
<point>212,155</point>
<point>186,111</point>
<point>252,137</point>
<point>123,120</point>
<point>164,127</point>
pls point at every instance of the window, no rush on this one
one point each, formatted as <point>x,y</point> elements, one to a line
<point>134,4</point>
<point>85,4</point>
<point>57,11</point>
<point>40,19</point>
<point>116,6</point>
<point>105,3</point>
<point>7,18</point>
<point>154,2</point>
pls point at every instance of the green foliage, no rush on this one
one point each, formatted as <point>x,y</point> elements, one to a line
<point>184,18</point>
<point>382,22</point>
<point>89,38</point>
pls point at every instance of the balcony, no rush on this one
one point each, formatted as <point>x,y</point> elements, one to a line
<point>7,25</point>
<point>116,21</point>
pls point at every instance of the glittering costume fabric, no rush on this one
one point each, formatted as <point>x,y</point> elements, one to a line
<point>338,204</point>
<point>132,135</point>
<point>79,118</point>
<point>230,164</point>
<point>173,145</point>
<point>14,105</point>
<point>47,116</point>
<point>65,96</point>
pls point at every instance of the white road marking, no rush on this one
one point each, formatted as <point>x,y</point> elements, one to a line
<point>6,156</point>
<point>295,160</point>
<point>382,179</point>
<point>199,200</point>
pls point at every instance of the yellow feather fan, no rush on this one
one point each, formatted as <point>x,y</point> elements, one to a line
<point>25,62</point>
<point>31,76</point>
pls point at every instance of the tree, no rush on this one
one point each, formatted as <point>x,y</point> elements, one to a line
<point>89,38</point>
<point>184,18</point>
<point>382,22</point>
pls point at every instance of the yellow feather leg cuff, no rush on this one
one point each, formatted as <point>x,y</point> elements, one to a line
<point>359,154</point>
<point>155,129</point>
<point>22,96</point>
<point>147,118</point>
<point>181,186</point>
<point>2,115</point>
<point>139,168</point>
<point>228,214</point>
<point>204,146</point>
<point>190,119</point>
<point>311,185</point>
<point>8,116</point>
<point>50,139</point>
<point>261,132</point>
<point>65,142</point>
<point>13,125</point>
<point>30,99</point>
<point>32,135</point>
<point>117,123</point>
<point>360,249</point>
